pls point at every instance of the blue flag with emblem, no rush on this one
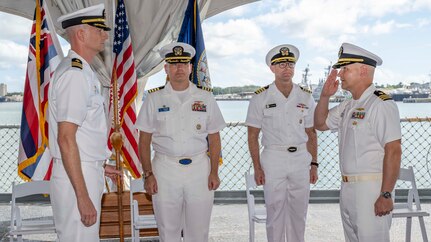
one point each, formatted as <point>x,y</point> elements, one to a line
<point>191,33</point>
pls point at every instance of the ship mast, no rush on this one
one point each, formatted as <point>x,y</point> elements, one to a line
<point>305,75</point>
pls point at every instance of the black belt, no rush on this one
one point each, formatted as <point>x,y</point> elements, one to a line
<point>185,161</point>
<point>283,148</point>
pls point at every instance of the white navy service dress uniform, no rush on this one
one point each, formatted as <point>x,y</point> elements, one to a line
<point>364,127</point>
<point>179,122</point>
<point>74,97</point>
<point>287,173</point>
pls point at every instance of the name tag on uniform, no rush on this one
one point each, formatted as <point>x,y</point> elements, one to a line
<point>272,105</point>
<point>163,109</point>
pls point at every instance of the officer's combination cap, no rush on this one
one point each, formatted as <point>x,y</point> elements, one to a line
<point>177,52</point>
<point>282,53</point>
<point>349,54</point>
<point>94,16</point>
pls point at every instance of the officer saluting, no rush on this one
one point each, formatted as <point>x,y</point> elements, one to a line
<point>369,142</point>
<point>284,113</point>
<point>177,118</point>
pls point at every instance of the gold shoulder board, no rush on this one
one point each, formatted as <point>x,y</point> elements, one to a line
<point>305,90</point>
<point>77,63</point>
<point>156,89</point>
<point>382,95</point>
<point>260,90</point>
<point>208,89</point>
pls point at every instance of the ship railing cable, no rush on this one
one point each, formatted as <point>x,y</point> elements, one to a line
<point>416,147</point>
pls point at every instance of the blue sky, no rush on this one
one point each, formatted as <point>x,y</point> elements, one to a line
<point>399,31</point>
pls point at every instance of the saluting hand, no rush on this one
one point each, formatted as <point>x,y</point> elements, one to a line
<point>150,185</point>
<point>331,85</point>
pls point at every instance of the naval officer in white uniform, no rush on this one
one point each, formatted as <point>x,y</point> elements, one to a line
<point>77,130</point>
<point>369,136</point>
<point>177,119</point>
<point>283,111</point>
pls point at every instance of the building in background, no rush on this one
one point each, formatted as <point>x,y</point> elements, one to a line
<point>3,89</point>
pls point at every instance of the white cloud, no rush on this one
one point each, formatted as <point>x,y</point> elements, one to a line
<point>233,38</point>
<point>14,27</point>
<point>383,28</point>
<point>12,54</point>
<point>423,22</point>
<point>244,71</point>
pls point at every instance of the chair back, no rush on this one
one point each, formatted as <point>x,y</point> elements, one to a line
<point>250,184</point>
<point>407,175</point>
<point>19,224</point>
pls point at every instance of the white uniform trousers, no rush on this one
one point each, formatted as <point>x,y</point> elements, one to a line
<point>287,190</point>
<point>357,212</point>
<point>183,201</point>
<point>64,204</point>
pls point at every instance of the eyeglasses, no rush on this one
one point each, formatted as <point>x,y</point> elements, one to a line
<point>283,65</point>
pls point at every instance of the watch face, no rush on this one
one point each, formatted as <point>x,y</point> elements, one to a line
<point>386,194</point>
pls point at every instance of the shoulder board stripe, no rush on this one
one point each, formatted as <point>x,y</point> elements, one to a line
<point>382,95</point>
<point>156,89</point>
<point>305,90</point>
<point>208,89</point>
<point>77,63</point>
<point>260,90</point>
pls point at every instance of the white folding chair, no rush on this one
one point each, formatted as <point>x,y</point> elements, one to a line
<point>412,208</point>
<point>255,214</point>
<point>139,221</point>
<point>21,225</point>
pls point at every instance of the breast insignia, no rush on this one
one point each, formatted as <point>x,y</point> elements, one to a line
<point>77,63</point>
<point>382,95</point>
<point>156,89</point>
<point>208,89</point>
<point>262,89</point>
<point>305,90</point>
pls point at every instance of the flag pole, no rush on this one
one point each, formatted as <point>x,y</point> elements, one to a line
<point>117,142</point>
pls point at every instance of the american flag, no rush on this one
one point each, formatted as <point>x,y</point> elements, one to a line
<point>124,72</point>
<point>34,159</point>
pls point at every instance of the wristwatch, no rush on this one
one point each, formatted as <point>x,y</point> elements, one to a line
<point>148,174</point>
<point>386,194</point>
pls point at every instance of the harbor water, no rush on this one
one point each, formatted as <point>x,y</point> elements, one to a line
<point>10,112</point>
<point>416,146</point>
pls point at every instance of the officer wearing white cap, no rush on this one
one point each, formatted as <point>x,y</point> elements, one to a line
<point>77,130</point>
<point>283,111</point>
<point>177,118</point>
<point>369,144</point>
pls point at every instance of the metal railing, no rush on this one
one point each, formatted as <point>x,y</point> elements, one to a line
<point>416,145</point>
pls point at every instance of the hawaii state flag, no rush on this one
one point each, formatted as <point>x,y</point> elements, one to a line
<point>124,72</point>
<point>191,33</point>
<point>34,159</point>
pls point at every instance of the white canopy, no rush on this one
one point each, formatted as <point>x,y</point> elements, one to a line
<point>153,23</point>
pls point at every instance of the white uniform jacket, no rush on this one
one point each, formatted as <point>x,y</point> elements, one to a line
<point>74,96</point>
<point>180,129</point>
<point>282,120</point>
<point>365,126</point>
